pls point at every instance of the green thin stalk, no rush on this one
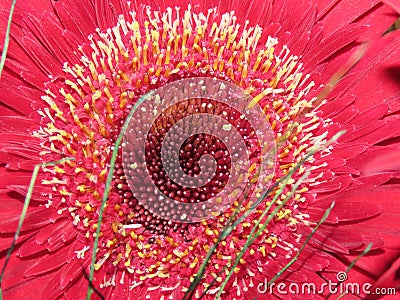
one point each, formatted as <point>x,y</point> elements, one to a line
<point>229,229</point>
<point>367,249</point>
<point>224,233</point>
<point>255,234</point>
<point>7,39</point>
<point>291,172</point>
<point>213,282</point>
<point>352,264</point>
<point>252,238</point>
<point>232,225</point>
<point>24,210</point>
<point>294,259</point>
<point>107,189</point>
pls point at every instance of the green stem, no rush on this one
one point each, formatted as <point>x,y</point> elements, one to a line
<point>255,234</point>
<point>367,249</point>
<point>324,217</point>
<point>7,38</point>
<point>107,189</point>
<point>24,210</point>
<point>232,224</point>
<point>358,257</point>
<point>312,151</point>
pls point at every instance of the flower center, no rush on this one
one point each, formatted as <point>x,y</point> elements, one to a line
<point>84,118</point>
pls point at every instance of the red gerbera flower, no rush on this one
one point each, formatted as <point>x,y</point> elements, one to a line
<point>73,74</point>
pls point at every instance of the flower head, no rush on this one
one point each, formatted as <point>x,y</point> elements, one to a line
<point>89,66</point>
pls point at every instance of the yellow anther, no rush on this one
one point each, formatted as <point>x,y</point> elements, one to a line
<point>209,231</point>
<point>258,98</point>
<point>88,207</point>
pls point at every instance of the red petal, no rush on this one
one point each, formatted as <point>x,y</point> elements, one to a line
<point>344,211</point>
<point>32,287</point>
<point>105,13</point>
<point>31,248</point>
<point>34,218</point>
<point>377,159</point>
<point>338,183</point>
<point>333,44</point>
<point>37,194</point>
<point>384,161</point>
<point>380,227</point>
<point>393,3</point>
<point>342,13</point>
<point>49,262</point>
<point>359,132</point>
<point>374,180</point>
<point>371,115</point>
<point>5,242</point>
<point>337,105</point>
<point>322,239</point>
<point>388,131</point>
<point>390,279</point>
<point>376,75</point>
